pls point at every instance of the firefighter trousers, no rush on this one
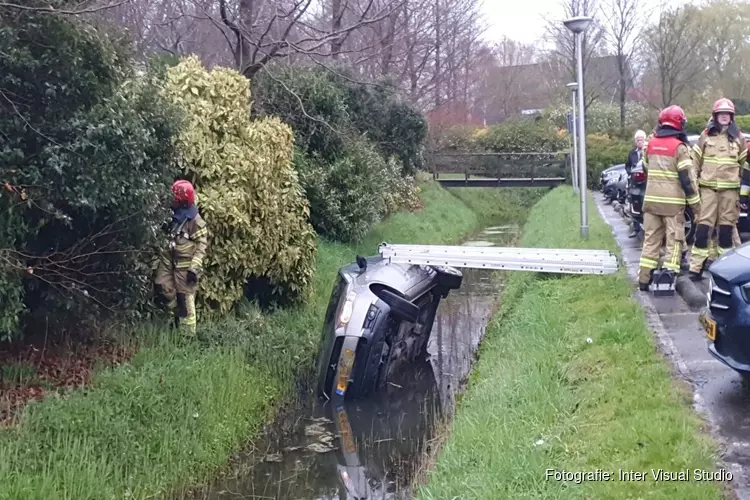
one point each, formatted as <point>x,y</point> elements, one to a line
<point>177,294</point>
<point>655,229</point>
<point>713,245</point>
<point>719,211</point>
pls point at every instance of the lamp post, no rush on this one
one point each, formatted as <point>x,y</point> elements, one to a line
<point>578,25</point>
<point>574,167</point>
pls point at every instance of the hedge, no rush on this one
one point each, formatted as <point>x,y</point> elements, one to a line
<point>247,189</point>
<point>86,166</point>
<point>697,122</point>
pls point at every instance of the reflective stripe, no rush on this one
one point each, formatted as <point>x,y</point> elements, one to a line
<point>200,233</point>
<point>693,200</point>
<point>720,160</point>
<point>673,264</point>
<point>743,155</point>
<point>647,263</point>
<point>717,184</point>
<point>698,151</point>
<point>684,164</point>
<point>699,252</point>
<point>744,190</point>
<point>196,263</point>
<point>665,174</point>
<point>664,199</point>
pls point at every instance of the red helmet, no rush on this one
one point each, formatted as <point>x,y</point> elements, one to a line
<point>673,116</point>
<point>723,105</point>
<point>183,192</point>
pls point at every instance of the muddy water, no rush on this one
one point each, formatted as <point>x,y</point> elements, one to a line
<point>304,455</point>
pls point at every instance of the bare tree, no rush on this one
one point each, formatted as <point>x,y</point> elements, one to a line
<point>564,53</point>
<point>623,27</point>
<point>511,77</point>
<point>728,24</point>
<point>675,44</point>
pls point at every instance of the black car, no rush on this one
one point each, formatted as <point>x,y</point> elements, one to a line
<point>726,318</point>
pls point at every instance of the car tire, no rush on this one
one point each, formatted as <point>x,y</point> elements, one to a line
<point>401,307</point>
<point>449,278</point>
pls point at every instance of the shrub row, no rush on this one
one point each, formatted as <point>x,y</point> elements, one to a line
<point>697,122</point>
<point>358,146</point>
<point>525,135</point>
<point>91,146</point>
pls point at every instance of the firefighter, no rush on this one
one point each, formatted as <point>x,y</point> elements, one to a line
<point>669,186</point>
<point>718,156</point>
<point>180,265</point>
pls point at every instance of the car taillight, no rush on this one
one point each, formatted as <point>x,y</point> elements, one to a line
<point>639,176</point>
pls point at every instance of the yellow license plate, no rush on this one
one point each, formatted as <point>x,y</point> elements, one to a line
<point>345,369</point>
<point>710,326</point>
<point>346,432</point>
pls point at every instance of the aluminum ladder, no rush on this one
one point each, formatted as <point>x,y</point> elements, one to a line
<point>541,260</point>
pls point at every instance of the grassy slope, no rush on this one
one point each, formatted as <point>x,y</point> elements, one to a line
<point>608,405</point>
<point>174,414</point>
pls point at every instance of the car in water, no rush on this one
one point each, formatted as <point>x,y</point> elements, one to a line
<point>380,315</point>
<point>726,318</point>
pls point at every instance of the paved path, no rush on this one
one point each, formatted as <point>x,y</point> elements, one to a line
<point>719,395</point>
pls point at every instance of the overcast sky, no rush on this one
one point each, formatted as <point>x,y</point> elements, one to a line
<point>524,20</point>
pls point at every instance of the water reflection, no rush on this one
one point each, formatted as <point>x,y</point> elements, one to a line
<point>372,448</point>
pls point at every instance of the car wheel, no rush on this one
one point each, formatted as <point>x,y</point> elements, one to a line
<point>449,278</point>
<point>400,306</point>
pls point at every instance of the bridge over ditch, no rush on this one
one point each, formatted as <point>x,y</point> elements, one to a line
<point>499,169</point>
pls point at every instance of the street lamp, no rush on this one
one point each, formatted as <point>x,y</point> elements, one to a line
<point>574,167</point>
<point>578,25</point>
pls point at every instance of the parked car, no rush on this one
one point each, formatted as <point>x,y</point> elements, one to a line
<point>726,319</point>
<point>379,316</point>
<point>609,179</point>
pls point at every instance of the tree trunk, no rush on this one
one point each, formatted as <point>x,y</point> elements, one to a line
<point>337,13</point>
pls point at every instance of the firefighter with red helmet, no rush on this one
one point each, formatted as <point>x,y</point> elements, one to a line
<point>718,159</point>
<point>668,188</point>
<point>181,263</point>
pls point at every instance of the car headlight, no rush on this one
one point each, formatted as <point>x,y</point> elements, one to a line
<point>346,311</point>
<point>745,289</point>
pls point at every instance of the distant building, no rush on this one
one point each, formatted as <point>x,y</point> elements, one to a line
<point>526,89</point>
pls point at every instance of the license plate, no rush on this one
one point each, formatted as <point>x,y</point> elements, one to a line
<point>345,369</point>
<point>346,431</point>
<point>710,326</point>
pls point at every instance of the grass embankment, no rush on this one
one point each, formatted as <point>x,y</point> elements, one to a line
<point>172,415</point>
<point>542,397</point>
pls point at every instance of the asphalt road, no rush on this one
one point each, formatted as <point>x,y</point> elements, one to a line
<point>718,392</point>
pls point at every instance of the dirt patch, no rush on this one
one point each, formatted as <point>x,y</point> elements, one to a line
<point>32,371</point>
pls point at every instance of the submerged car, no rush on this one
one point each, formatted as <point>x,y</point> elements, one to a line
<point>379,316</point>
<point>726,319</point>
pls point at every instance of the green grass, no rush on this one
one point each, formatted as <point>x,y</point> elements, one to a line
<point>541,397</point>
<point>175,413</point>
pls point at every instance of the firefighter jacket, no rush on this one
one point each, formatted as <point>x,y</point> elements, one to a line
<point>188,242</point>
<point>669,185</point>
<point>719,156</point>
